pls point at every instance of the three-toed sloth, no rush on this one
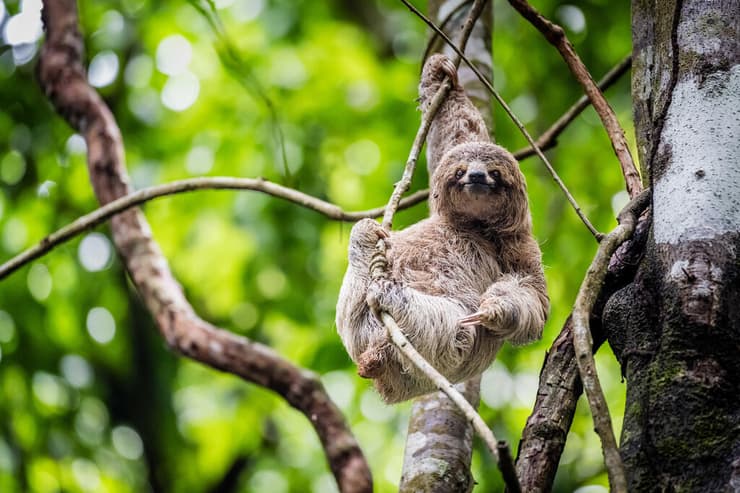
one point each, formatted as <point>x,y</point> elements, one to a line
<point>459,283</point>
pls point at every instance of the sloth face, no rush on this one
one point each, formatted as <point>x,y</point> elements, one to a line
<point>479,185</point>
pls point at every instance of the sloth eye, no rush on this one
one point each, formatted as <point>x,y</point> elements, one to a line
<point>495,174</point>
<point>459,174</point>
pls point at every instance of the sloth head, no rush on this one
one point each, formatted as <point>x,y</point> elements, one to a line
<point>478,186</point>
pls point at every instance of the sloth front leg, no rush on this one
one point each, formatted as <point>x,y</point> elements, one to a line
<point>429,322</point>
<point>513,308</point>
<point>355,323</point>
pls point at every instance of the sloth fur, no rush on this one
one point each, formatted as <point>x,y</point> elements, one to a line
<point>461,282</point>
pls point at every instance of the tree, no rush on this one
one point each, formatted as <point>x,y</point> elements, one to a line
<point>247,273</point>
<point>675,329</point>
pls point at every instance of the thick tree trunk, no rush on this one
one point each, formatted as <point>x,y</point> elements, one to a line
<point>676,329</point>
<point>439,444</point>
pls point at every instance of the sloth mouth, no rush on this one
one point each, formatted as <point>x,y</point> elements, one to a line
<point>477,188</point>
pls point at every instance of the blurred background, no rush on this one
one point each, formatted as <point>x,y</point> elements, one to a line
<point>314,95</point>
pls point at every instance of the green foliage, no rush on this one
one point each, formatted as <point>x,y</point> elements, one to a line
<point>316,95</point>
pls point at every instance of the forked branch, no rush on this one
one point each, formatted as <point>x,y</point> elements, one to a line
<point>556,36</point>
<point>583,342</point>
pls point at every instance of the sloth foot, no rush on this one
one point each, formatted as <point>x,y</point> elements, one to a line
<point>439,66</point>
<point>371,362</point>
<point>496,315</point>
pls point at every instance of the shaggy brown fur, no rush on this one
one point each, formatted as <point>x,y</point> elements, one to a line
<point>475,254</point>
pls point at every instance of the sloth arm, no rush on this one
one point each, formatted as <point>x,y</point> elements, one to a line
<point>515,307</point>
<point>430,322</point>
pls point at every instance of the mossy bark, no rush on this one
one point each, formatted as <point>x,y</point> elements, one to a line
<point>676,328</point>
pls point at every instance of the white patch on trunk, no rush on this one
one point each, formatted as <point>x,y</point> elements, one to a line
<point>698,197</point>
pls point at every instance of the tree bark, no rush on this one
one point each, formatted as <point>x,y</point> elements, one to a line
<point>439,444</point>
<point>676,329</point>
<point>64,82</point>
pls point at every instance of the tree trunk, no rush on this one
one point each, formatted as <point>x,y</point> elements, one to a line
<point>676,329</point>
<point>439,444</point>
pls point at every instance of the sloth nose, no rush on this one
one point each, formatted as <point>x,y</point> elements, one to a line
<point>477,177</point>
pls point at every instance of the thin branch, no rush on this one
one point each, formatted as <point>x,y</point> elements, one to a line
<point>556,36</point>
<point>503,460</point>
<point>583,342</point>
<point>548,138</point>
<point>545,141</point>
<point>544,435</point>
<point>426,122</point>
<point>378,264</point>
<point>63,80</point>
<point>139,197</point>
<point>514,118</point>
<point>433,37</point>
<point>506,464</point>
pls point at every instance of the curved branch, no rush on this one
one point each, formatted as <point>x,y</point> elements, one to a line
<point>548,139</point>
<point>544,436</point>
<point>139,197</point>
<point>513,118</point>
<point>545,141</point>
<point>583,342</point>
<point>556,36</point>
<point>63,79</point>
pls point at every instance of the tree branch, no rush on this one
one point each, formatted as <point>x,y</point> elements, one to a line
<point>556,36</point>
<point>378,265</point>
<point>583,342</point>
<point>62,77</point>
<point>513,118</point>
<point>548,138</point>
<point>139,197</point>
<point>439,441</point>
<point>545,433</point>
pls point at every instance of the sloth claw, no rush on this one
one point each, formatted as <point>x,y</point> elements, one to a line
<point>474,319</point>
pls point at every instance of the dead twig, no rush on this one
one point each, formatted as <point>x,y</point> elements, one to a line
<point>556,36</point>
<point>63,80</point>
<point>98,216</point>
<point>583,342</point>
<point>513,118</point>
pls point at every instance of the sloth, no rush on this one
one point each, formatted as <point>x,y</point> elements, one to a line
<point>460,282</point>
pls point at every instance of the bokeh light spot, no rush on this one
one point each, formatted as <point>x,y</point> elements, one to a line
<point>86,474</point>
<point>76,370</point>
<point>100,325</point>
<point>127,442</point>
<point>271,282</point>
<point>572,17</point>
<point>76,144</point>
<point>180,91</point>
<point>138,72</point>
<point>50,390</point>
<point>94,252</point>
<point>173,55</point>
<point>7,327</point>
<point>12,167</point>
<point>199,160</point>
<point>103,69</point>
<point>362,156</point>
<point>15,234</point>
<point>39,282</point>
